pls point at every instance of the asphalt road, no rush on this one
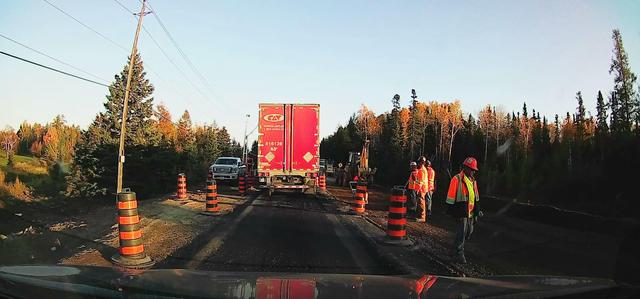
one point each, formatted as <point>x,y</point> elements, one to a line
<point>287,233</point>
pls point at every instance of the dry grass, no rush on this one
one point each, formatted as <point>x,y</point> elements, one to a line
<point>30,168</point>
<point>16,189</point>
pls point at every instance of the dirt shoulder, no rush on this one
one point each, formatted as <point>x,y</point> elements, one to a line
<point>504,245</point>
<point>86,233</point>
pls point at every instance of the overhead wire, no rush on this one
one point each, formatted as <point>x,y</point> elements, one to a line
<point>53,69</point>
<point>53,58</point>
<point>88,27</point>
<point>183,54</point>
<point>161,49</point>
<point>102,35</point>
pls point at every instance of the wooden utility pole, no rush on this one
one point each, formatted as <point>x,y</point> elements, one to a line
<point>126,99</point>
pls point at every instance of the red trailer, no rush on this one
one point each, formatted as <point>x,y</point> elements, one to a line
<point>288,146</point>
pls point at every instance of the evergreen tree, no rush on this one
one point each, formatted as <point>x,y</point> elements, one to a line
<point>94,169</point>
<point>580,117</point>
<point>184,133</point>
<point>601,116</point>
<point>140,129</point>
<point>556,125</point>
<point>224,142</point>
<point>624,80</point>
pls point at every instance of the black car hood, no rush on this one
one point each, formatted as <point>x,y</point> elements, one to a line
<point>104,282</point>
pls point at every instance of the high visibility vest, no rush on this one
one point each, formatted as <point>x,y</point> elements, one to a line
<point>431,175</point>
<point>458,192</point>
<point>414,184</point>
<point>423,180</point>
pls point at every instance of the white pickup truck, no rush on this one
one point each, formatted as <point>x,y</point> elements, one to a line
<point>227,168</point>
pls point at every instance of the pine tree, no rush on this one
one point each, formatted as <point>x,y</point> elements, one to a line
<point>626,104</point>
<point>94,168</point>
<point>601,115</point>
<point>396,101</point>
<point>556,132</point>
<point>184,133</point>
<point>580,117</point>
<point>224,141</point>
<point>140,129</point>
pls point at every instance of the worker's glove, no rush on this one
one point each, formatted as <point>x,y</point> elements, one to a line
<point>480,214</point>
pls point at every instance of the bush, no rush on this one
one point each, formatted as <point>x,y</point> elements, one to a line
<point>16,189</point>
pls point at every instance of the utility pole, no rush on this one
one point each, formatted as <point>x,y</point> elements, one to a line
<point>244,147</point>
<point>126,99</point>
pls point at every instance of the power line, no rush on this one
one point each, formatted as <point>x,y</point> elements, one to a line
<point>102,35</point>
<point>87,26</point>
<point>53,58</point>
<point>125,8</point>
<point>53,69</point>
<point>182,54</point>
<point>162,50</point>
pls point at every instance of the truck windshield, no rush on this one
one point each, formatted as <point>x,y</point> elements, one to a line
<point>226,161</point>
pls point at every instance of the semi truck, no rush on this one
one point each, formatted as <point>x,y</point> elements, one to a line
<point>288,147</point>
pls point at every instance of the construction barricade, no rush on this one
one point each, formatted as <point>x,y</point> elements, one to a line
<point>358,205</point>
<point>211,207</point>
<point>250,180</point>
<point>322,182</point>
<point>131,252</point>
<point>242,185</point>
<point>181,193</point>
<point>397,220</point>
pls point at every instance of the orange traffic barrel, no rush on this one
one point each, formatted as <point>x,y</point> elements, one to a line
<point>131,252</point>
<point>182,186</point>
<point>250,180</point>
<point>241,184</point>
<point>397,218</point>
<point>358,204</point>
<point>322,182</point>
<point>211,205</point>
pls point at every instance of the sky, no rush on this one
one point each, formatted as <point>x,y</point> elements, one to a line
<point>339,54</point>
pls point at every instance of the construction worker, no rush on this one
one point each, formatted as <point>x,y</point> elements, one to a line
<point>422,189</point>
<point>431,178</point>
<point>463,204</point>
<point>412,188</point>
<point>340,175</point>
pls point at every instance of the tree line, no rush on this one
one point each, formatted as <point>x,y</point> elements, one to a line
<point>156,146</point>
<point>575,159</point>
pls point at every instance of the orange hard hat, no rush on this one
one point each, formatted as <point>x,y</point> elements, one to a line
<point>471,163</point>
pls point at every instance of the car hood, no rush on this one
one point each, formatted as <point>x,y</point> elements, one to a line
<point>105,282</point>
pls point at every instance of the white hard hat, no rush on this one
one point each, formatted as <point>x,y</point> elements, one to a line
<point>413,164</point>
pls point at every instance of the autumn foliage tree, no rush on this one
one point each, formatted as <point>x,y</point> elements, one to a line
<point>573,160</point>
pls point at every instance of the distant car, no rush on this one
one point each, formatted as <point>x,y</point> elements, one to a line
<point>227,168</point>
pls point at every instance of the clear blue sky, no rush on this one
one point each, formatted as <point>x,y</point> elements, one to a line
<point>336,53</point>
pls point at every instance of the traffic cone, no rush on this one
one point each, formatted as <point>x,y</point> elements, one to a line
<point>358,205</point>
<point>182,186</point>
<point>211,206</point>
<point>397,220</point>
<point>131,252</point>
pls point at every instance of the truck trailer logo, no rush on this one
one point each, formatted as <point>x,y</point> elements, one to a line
<point>274,117</point>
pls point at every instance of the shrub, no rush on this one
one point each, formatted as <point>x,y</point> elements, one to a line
<point>18,189</point>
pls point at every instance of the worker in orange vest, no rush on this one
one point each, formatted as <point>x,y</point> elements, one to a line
<point>431,179</point>
<point>463,204</point>
<point>422,189</point>
<point>413,187</point>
